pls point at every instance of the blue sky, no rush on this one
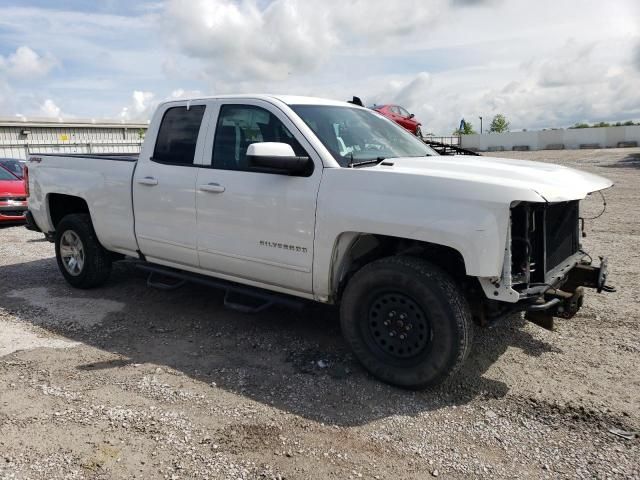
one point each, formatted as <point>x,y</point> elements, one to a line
<point>548,66</point>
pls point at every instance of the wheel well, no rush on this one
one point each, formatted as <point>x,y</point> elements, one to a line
<point>365,248</point>
<point>61,205</point>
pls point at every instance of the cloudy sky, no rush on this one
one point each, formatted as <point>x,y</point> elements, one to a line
<point>548,63</point>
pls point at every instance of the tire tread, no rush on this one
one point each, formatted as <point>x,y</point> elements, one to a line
<point>452,296</point>
<point>98,260</point>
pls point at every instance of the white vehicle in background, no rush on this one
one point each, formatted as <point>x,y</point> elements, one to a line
<point>276,197</point>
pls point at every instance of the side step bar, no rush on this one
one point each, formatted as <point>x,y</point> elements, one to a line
<point>237,297</point>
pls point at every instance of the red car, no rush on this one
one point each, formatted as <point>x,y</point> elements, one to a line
<point>13,197</point>
<point>401,117</point>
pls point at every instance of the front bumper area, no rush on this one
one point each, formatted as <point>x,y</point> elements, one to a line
<point>565,298</point>
<point>12,210</point>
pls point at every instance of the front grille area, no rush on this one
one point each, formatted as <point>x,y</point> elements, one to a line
<point>13,213</point>
<point>561,228</point>
<point>542,237</point>
<point>15,199</point>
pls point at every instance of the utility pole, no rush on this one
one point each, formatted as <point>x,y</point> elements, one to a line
<point>480,125</point>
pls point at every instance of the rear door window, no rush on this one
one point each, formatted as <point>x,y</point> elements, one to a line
<point>178,135</point>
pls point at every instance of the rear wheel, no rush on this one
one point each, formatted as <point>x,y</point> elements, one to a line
<point>82,260</point>
<point>407,321</point>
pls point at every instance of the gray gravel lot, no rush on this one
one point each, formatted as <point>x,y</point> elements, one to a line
<point>130,382</point>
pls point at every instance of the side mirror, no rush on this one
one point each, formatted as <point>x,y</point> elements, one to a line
<point>411,115</point>
<point>279,158</point>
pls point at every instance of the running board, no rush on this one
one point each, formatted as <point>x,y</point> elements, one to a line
<point>241,298</point>
<point>162,283</point>
<point>244,303</point>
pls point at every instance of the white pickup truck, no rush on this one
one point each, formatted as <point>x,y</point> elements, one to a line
<point>278,196</point>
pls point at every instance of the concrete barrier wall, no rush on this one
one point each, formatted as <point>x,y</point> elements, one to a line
<point>603,137</point>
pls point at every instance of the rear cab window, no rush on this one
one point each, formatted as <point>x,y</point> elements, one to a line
<point>178,135</point>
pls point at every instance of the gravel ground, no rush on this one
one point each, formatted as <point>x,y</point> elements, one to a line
<point>130,382</point>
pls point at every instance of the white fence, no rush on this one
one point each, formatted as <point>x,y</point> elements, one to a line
<point>574,138</point>
<point>19,139</point>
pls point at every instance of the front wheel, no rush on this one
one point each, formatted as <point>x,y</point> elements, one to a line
<point>407,321</point>
<point>82,260</point>
<point>419,132</point>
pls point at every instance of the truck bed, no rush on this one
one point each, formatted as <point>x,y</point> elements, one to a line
<point>103,181</point>
<point>122,157</point>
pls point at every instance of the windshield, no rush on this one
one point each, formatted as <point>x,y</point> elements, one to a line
<point>354,135</point>
<point>6,175</point>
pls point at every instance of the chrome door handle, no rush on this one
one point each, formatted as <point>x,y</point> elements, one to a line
<point>148,181</point>
<point>212,188</point>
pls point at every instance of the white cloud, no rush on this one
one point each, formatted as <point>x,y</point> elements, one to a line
<point>577,85</point>
<point>25,63</point>
<point>236,40</point>
<point>142,103</point>
<point>15,103</point>
<point>140,108</point>
<point>572,65</point>
<point>182,93</point>
<point>543,66</point>
<point>50,109</point>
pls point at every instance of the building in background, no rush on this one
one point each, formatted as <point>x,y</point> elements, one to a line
<point>20,137</point>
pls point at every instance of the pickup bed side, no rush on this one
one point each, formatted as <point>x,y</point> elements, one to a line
<point>104,184</point>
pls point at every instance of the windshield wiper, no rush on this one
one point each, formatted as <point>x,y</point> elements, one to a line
<point>373,161</point>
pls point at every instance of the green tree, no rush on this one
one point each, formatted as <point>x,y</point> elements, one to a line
<point>581,125</point>
<point>499,124</point>
<point>466,130</point>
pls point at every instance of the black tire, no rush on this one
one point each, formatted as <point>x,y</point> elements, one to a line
<point>95,268</point>
<point>436,326</point>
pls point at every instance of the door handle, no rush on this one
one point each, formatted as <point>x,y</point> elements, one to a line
<point>148,181</point>
<point>212,188</point>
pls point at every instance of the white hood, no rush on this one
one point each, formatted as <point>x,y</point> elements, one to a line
<point>552,182</point>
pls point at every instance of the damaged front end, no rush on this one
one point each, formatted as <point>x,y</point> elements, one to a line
<point>545,269</point>
<point>566,298</point>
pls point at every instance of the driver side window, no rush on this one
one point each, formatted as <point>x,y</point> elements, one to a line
<point>241,125</point>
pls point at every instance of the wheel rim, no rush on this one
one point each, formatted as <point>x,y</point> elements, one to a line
<point>398,325</point>
<point>72,252</point>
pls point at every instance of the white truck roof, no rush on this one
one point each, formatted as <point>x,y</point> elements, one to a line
<point>288,99</point>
